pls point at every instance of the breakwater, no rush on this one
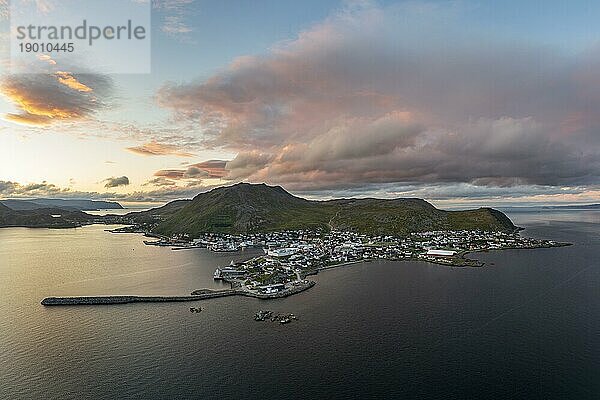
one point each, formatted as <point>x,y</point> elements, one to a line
<point>201,294</point>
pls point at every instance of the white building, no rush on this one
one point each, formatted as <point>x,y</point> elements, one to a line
<point>440,253</point>
<point>270,289</point>
<point>284,252</point>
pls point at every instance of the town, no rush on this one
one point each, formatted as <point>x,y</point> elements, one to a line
<point>291,256</point>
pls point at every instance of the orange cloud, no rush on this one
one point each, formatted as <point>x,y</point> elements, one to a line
<point>67,79</point>
<point>28,119</point>
<point>154,148</point>
<point>43,99</point>
<point>34,111</point>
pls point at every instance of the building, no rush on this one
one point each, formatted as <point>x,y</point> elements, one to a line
<point>440,253</point>
<point>269,289</point>
<point>285,252</point>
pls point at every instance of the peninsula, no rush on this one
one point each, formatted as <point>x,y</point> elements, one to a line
<point>301,237</point>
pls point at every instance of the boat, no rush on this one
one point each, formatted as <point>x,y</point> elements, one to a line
<point>218,274</point>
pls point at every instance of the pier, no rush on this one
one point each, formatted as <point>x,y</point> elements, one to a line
<point>201,294</point>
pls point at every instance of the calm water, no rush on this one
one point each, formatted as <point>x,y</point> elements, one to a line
<point>526,326</point>
<point>118,211</point>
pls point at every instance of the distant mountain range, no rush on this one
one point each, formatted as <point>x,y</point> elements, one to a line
<point>518,209</point>
<point>42,218</point>
<point>63,204</point>
<point>577,207</point>
<point>246,208</point>
<point>50,213</point>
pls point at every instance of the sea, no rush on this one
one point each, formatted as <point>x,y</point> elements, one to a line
<point>524,326</point>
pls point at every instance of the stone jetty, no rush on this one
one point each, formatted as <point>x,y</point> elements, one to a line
<point>201,294</point>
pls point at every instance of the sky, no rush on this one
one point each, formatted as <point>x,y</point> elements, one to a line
<point>459,102</point>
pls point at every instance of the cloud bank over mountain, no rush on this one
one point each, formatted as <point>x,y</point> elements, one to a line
<point>401,95</point>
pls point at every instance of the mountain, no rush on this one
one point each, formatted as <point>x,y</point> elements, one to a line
<point>42,218</point>
<point>577,207</point>
<point>64,204</point>
<point>246,208</point>
<point>403,216</point>
<point>159,213</point>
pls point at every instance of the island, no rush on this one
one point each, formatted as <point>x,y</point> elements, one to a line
<point>301,237</point>
<point>64,204</point>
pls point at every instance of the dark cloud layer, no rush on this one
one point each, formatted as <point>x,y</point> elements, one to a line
<point>387,96</point>
<point>196,172</point>
<point>164,190</point>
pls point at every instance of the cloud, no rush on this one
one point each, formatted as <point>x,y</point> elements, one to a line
<point>442,194</point>
<point>160,181</point>
<point>175,16</point>
<point>170,173</point>
<point>168,193</point>
<point>9,188</point>
<point>403,95</point>
<point>46,58</point>
<point>214,168</point>
<point>206,169</point>
<point>67,79</point>
<point>174,25</point>
<point>44,99</point>
<point>115,182</point>
<point>158,149</point>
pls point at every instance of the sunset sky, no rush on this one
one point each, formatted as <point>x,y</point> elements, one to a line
<point>457,102</point>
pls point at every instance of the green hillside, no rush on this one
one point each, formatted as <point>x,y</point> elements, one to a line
<point>244,208</point>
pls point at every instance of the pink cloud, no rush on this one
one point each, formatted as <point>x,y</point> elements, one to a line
<point>376,95</point>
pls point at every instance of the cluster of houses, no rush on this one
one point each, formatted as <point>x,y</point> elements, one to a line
<point>290,256</point>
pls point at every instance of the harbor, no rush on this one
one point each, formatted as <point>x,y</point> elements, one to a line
<point>292,256</point>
